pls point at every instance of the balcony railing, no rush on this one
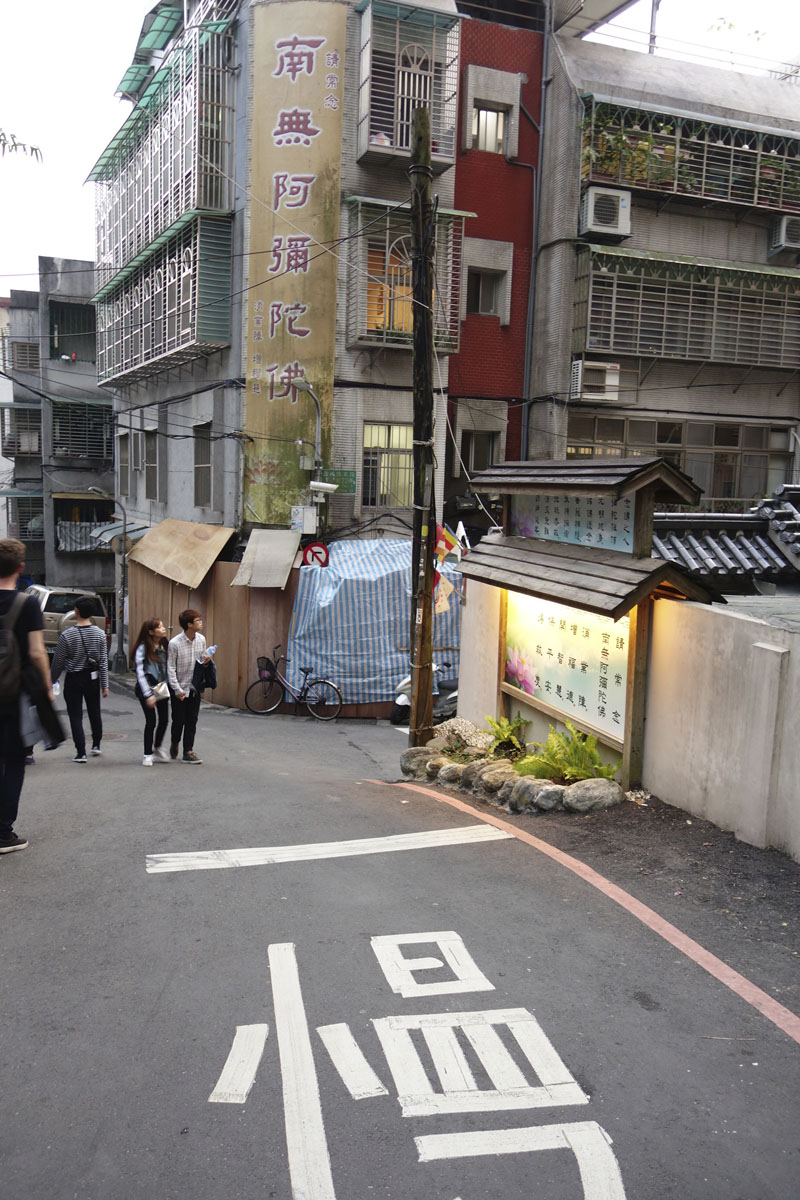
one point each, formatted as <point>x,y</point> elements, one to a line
<point>640,149</point>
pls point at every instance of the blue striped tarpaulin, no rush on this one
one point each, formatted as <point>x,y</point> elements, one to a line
<point>350,621</point>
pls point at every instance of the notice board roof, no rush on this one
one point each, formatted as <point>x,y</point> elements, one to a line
<point>614,477</point>
<point>607,582</point>
<point>181,550</point>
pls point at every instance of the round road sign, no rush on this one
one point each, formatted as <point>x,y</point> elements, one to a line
<point>315,554</point>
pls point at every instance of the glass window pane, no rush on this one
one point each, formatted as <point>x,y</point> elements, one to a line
<point>726,435</point>
<point>669,433</point>
<point>754,476</point>
<point>581,427</point>
<point>779,439</point>
<point>700,468</point>
<point>609,430</point>
<point>755,437</point>
<point>641,433</point>
<point>699,434</point>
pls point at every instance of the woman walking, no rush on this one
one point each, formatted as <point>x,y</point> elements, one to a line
<point>150,662</point>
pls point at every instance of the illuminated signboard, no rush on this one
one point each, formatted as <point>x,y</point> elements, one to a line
<point>575,661</point>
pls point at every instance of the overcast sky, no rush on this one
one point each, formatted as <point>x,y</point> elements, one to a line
<point>61,64</point>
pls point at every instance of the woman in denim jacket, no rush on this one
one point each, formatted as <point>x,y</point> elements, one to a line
<point>149,659</point>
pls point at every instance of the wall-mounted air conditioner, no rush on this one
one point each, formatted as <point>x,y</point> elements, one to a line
<point>596,382</point>
<point>606,211</point>
<point>786,234</point>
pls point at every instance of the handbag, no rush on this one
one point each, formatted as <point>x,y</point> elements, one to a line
<point>92,661</point>
<point>161,691</point>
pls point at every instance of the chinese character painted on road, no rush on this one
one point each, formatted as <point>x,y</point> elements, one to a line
<point>294,128</point>
<point>296,56</point>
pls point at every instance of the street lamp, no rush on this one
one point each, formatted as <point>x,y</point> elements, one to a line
<point>120,664</point>
<point>301,384</point>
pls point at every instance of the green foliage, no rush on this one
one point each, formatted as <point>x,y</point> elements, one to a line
<point>506,742</point>
<point>567,757</point>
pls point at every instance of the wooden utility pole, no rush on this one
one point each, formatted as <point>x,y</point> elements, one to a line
<point>422,546</point>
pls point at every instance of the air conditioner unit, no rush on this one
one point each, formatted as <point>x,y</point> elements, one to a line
<point>786,234</point>
<point>606,211</point>
<point>594,381</point>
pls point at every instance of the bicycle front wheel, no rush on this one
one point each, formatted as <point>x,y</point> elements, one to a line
<point>323,699</point>
<point>264,696</point>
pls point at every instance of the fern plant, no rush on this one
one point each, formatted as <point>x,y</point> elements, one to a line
<point>567,757</point>
<point>506,741</point>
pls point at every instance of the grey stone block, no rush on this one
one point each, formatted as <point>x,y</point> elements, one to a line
<point>589,794</point>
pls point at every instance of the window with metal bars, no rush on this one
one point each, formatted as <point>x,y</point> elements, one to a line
<point>408,60</point>
<point>388,466</point>
<point>657,150</point>
<point>72,331</point>
<point>124,463</point>
<point>22,432</point>
<point>151,464</point>
<point>26,518</point>
<point>733,463</point>
<point>380,299</point>
<point>25,356</point>
<point>679,311</point>
<point>202,465</point>
<point>81,430</point>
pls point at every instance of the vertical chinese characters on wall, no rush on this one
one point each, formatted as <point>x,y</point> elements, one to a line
<point>298,89</point>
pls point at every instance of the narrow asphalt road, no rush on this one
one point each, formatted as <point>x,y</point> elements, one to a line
<point>279,974</point>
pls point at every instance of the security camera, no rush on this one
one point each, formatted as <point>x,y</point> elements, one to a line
<point>317,485</point>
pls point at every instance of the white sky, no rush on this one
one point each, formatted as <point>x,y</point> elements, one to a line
<point>61,64</point>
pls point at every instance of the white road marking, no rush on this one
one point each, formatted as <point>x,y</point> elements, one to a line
<point>210,860</point>
<point>239,1072</point>
<point>459,1092</point>
<point>591,1145</point>
<point>309,1162</point>
<point>399,970</point>
<point>354,1070</point>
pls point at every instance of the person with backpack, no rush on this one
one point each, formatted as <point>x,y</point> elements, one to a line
<point>82,652</point>
<point>22,658</point>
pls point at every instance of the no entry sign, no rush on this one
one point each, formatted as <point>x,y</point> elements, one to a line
<point>315,554</point>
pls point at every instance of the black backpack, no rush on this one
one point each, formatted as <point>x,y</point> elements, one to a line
<point>10,659</point>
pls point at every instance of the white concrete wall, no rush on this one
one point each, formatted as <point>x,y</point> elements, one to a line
<point>722,697</point>
<point>723,694</point>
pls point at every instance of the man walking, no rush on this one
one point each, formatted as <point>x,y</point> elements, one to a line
<point>27,629</point>
<point>183,652</point>
<point>82,652</point>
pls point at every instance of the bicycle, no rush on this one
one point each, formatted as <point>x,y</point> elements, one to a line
<point>321,697</point>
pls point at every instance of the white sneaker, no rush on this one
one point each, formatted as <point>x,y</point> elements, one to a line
<point>161,754</point>
<point>96,751</point>
<point>147,761</point>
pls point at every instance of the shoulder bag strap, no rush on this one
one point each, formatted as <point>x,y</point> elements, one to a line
<point>10,619</point>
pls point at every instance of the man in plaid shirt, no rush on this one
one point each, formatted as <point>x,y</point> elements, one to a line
<point>188,648</point>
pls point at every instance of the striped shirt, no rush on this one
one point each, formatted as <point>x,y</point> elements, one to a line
<point>182,654</point>
<point>72,649</point>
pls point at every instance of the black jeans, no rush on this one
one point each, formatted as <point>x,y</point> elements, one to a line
<point>12,774</point>
<point>79,686</point>
<point>184,719</point>
<point>162,710</point>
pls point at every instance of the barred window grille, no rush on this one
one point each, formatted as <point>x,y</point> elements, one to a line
<point>408,60</point>
<point>22,432</point>
<point>675,310</point>
<point>81,430</point>
<point>202,465</point>
<point>151,464</point>
<point>380,296</point>
<point>124,463</point>
<point>25,356</point>
<point>172,156</point>
<point>174,308</point>
<point>26,518</point>
<point>72,330</point>
<point>388,466</point>
<point>659,151</point>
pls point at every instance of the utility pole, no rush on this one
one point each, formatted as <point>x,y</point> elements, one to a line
<point>422,546</point>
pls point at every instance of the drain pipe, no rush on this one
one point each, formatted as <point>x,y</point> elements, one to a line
<point>537,194</point>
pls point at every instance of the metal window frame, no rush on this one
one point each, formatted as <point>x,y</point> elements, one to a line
<point>82,431</point>
<point>201,439</point>
<point>385,458</point>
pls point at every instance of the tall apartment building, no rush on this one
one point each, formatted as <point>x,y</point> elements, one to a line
<point>668,296</point>
<point>57,431</point>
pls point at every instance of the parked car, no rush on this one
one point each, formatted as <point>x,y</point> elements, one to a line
<point>58,610</point>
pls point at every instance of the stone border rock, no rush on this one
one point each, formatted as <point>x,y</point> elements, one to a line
<point>495,781</point>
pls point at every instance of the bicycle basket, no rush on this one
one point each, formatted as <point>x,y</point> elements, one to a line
<point>266,668</point>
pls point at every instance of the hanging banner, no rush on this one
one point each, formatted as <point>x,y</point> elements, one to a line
<point>298,90</point>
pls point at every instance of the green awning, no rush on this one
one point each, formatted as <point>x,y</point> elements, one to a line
<point>21,493</point>
<point>159,27</point>
<point>134,79</point>
<point>128,135</point>
<point>690,260</point>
